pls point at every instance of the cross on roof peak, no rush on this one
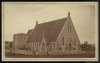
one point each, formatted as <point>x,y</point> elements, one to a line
<point>68,13</point>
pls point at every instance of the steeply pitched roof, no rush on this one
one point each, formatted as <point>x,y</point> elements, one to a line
<point>51,31</point>
<point>29,32</point>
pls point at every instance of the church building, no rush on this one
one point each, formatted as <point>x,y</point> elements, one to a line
<point>54,36</point>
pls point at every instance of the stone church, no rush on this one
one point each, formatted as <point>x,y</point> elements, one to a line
<point>58,35</point>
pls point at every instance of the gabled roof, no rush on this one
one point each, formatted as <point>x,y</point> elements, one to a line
<point>29,32</point>
<point>51,31</point>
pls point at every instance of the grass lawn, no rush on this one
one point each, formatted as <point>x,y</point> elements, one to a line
<point>14,55</point>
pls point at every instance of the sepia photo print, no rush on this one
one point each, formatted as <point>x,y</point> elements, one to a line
<point>49,31</point>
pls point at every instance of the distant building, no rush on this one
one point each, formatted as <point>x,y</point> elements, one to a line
<point>19,40</point>
<point>57,35</point>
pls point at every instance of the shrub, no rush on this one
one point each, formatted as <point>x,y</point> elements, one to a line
<point>60,48</point>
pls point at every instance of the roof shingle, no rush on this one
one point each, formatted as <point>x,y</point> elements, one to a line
<point>51,30</point>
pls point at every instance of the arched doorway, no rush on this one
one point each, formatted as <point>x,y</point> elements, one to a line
<point>70,46</point>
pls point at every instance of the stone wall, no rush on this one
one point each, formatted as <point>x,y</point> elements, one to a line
<point>20,40</point>
<point>69,36</point>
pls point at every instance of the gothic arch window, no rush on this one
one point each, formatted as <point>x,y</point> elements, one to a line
<point>70,29</point>
<point>63,41</point>
<point>75,41</point>
<point>70,46</point>
<point>39,44</point>
<point>35,44</point>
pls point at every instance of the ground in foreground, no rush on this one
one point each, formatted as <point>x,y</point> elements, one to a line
<point>14,55</point>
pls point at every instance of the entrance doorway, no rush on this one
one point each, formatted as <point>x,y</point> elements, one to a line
<point>70,46</point>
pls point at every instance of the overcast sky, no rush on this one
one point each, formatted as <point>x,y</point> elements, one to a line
<point>19,18</point>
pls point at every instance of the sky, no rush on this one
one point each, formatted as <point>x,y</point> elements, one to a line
<point>20,17</point>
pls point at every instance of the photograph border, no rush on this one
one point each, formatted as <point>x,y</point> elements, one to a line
<point>53,59</point>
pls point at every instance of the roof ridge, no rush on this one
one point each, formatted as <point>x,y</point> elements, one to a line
<point>52,20</point>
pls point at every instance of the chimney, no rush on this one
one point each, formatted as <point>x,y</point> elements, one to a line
<point>36,22</point>
<point>68,14</point>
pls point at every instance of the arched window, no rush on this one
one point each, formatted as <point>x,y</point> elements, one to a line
<point>39,44</point>
<point>70,29</point>
<point>75,41</point>
<point>63,41</point>
<point>43,46</point>
<point>35,44</point>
